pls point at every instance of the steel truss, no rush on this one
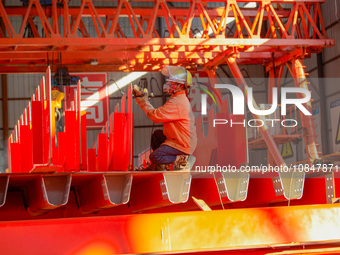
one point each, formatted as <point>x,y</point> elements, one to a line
<point>272,33</point>
<point>279,29</point>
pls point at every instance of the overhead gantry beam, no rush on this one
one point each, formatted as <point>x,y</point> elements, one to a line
<point>194,35</point>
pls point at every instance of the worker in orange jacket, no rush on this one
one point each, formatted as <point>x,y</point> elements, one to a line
<point>178,140</point>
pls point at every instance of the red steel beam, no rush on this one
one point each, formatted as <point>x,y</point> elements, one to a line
<point>256,228</point>
<point>52,44</point>
<point>180,38</point>
<point>140,11</point>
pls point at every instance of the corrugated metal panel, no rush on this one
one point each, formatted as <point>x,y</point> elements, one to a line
<point>15,109</point>
<point>332,70</point>
<point>74,3</point>
<point>143,4</point>
<point>329,9</point>
<point>3,155</point>
<point>22,85</point>
<point>310,63</point>
<point>333,33</point>
<point>16,23</point>
<point>314,87</point>
<point>1,119</point>
<point>1,143</point>
<point>92,136</point>
<point>142,139</point>
<point>215,4</point>
<point>13,2</point>
<point>333,94</point>
<point>332,88</point>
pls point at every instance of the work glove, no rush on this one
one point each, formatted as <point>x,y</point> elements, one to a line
<point>138,92</point>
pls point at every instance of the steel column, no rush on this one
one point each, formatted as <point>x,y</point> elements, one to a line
<point>264,129</point>
<point>323,105</point>
<point>307,121</point>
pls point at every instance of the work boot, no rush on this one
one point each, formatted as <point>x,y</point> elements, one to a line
<point>151,167</point>
<point>163,167</point>
<point>184,163</point>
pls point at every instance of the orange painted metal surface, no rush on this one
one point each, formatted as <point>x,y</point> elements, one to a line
<point>251,32</point>
<point>252,39</point>
<point>246,229</point>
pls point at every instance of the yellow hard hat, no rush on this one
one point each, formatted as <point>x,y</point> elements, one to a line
<point>177,74</point>
<point>189,79</point>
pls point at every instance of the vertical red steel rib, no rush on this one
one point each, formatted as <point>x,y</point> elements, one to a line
<point>26,149</point>
<point>46,127</point>
<point>83,141</point>
<point>50,119</point>
<point>72,157</point>
<point>15,158</point>
<point>9,142</point>
<point>130,127</point>
<point>78,128</point>
<point>118,154</point>
<point>91,160</point>
<point>37,132</point>
<point>102,157</point>
<point>123,104</point>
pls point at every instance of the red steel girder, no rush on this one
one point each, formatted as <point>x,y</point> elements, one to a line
<point>216,18</point>
<point>223,230</point>
<point>266,27</point>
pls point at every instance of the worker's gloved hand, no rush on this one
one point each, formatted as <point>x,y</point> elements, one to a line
<point>146,95</point>
<point>138,92</point>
